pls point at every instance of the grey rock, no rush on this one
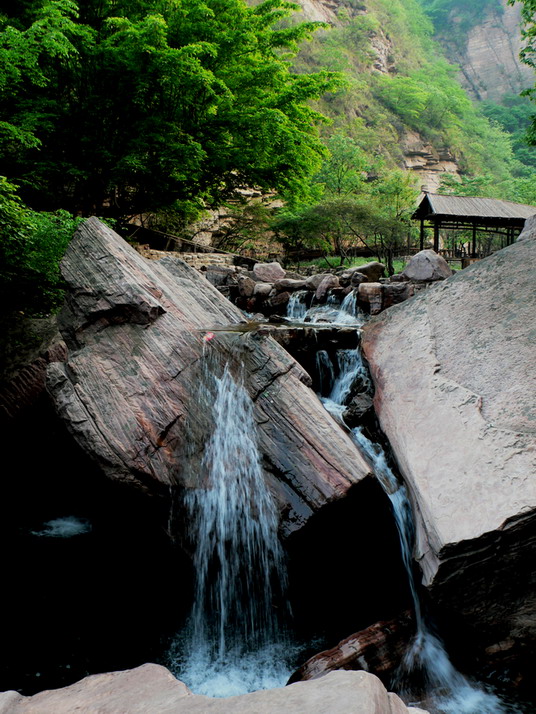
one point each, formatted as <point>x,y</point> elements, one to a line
<point>529,229</point>
<point>268,272</point>
<point>371,296</point>
<point>289,284</point>
<point>455,395</point>
<point>357,278</point>
<point>327,284</point>
<point>427,266</point>
<point>373,270</point>
<point>313,281</point>
<point>262,290</point>
<point>246,286</point>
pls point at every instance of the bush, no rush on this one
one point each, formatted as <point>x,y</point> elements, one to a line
<point>31,247</point>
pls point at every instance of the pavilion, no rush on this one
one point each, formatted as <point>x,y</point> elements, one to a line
<point>488,215</point>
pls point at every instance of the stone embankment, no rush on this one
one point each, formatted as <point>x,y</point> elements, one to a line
<point>268,288</point>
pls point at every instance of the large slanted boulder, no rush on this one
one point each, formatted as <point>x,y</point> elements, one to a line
<point>152,689</point>
<point>455,394</point>
<point>136,392</point>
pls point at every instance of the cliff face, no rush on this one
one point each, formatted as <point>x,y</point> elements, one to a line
<point>417,153</point>
<point>489,57</point>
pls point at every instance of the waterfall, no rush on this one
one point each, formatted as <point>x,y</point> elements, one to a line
<point>297,306</point>
<point>332,312</point>
<point>447,690</point>
<point>325,371</point>
<point>234,641</point>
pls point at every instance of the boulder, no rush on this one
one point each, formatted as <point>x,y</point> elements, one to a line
<point>360,406</point>
<point>268,272</point>
<point>370,296</point>
<point>357,278</point>
<point>372,271</point>
<point>23,380</point>
<point>426,266</point>
<point>379,649</point>
<point>152,689</point>
<point>529,229</point>
<point>277,302</point>
<point>219,275</point>
<point>246,286</point>
<point>313,281</point>
<point>455,395</point>
<point>376,297</point>
<point>136,392</point>
<point>327,284</point>
<point>262,290</point>
<point>393,293</point>
<point>289,284</point>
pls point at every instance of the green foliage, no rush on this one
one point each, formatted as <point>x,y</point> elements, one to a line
<point>407,85</point>
<point>459,15</point>
<point>135,107</point>
<point>352,209</point>
<point>31,247</point>
<point>514,115</point>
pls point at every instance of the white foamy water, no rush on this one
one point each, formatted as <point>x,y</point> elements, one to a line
<point>235,640</point>
<point>345,314</point>
<point>66,527</point>
<point>297,306</point>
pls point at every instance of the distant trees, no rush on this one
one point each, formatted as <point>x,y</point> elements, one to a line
<point>358,204</point>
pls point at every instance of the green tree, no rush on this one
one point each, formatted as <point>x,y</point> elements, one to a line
<point>147,105</point>
<point>31,246</point>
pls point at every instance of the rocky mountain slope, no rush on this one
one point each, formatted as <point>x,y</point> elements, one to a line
<point>404,101</point>
<point>488,55</point>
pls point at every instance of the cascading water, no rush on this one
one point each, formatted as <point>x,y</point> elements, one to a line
<point>297,306</point>
<point>447,690</point>
<point>234,641</point>
<point>332,312</point>
<point>325,371</point>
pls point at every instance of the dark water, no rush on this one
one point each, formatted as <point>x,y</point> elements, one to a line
<point>88,572</point>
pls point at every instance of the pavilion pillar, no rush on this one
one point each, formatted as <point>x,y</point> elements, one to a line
<point>473,252</point>
<point>421,243</point>
<point>436,236</point>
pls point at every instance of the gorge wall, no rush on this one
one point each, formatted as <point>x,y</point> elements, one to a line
<point>488,56</point>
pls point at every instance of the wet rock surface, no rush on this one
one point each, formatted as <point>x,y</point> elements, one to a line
<point>455,394</point>
<point>141,336</point>
<point>152,688</point>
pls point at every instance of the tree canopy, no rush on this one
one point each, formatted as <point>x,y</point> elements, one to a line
<point>117,108</point>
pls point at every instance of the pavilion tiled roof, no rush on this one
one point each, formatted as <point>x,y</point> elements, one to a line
<point>467,207</point>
